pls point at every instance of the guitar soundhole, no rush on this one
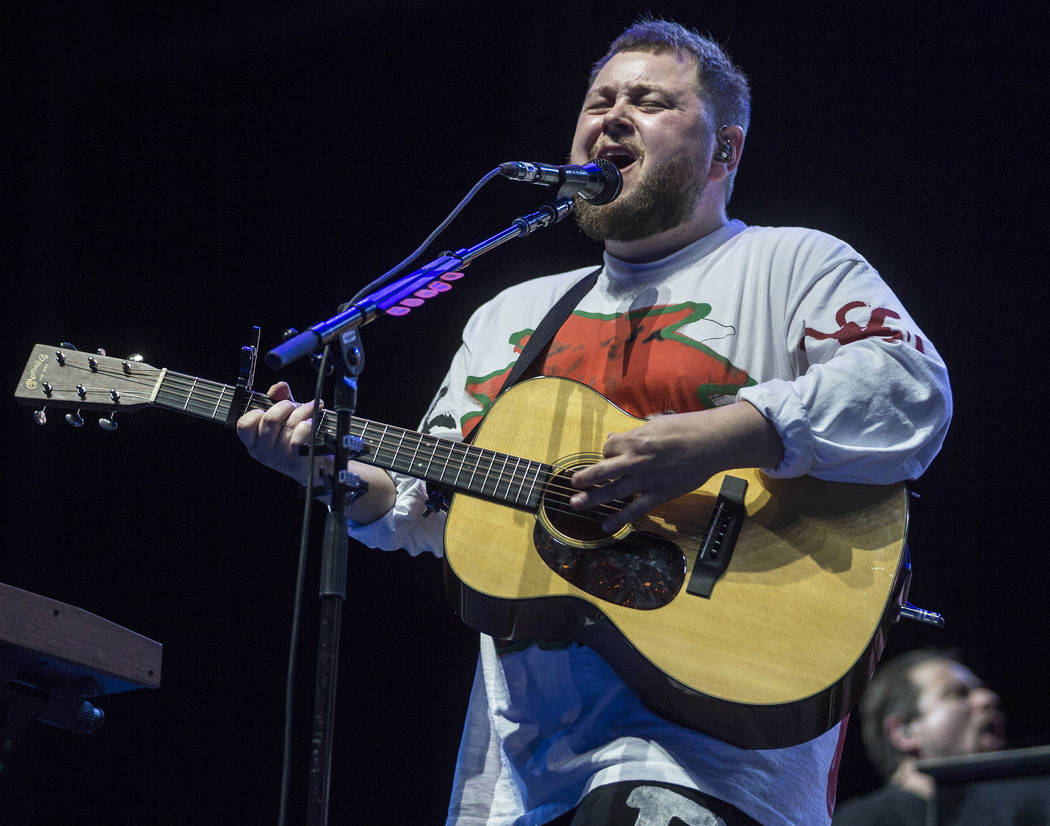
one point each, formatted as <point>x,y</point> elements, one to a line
<point>629,568</point>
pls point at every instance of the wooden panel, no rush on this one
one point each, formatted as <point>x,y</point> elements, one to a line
<point>59,641</point>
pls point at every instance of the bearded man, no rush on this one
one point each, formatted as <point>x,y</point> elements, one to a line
<point>741,346</point>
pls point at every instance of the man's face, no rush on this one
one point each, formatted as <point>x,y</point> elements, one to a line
<point>643,113</point>
<point>957,713</point>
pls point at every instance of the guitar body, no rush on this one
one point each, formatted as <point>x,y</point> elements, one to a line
<point>787,639</point>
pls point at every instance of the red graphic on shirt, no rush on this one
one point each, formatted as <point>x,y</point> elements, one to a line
<point>876,327</point>
<point>639,360</point>
<point>485,388</point>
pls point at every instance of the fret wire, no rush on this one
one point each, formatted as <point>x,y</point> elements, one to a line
<point>453,449</point>
<point>190,394</point>
<point>524,479</point>
<point>510,481</point>
<point>415,452</point>
<point>488,472</point>
<point>441,453</point>
<point>459,471</point>
<point>398,448</point>
<point>473,472</point>
<point>533,483</point>
<point>414,441</point>
<point>499,476</point>
<point>522,495</point>
<point>430,461</point>
<point>383,436</point>
<point>218,402</point>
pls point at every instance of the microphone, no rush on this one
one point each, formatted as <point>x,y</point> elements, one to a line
<point>598,181</point>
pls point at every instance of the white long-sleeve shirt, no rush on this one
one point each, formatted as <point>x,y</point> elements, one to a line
<point>793,321</point>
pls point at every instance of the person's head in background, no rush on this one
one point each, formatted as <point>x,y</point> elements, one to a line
<point>925,704</point>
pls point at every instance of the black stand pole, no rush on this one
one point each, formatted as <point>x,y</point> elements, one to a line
<point>345,488</point>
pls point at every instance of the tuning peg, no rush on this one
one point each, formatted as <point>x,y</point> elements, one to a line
<point>125,365</point>
<point>74,419</point>
<point>68,345</point>
<point>40,417</point>
<point>110,424</point>
<point>101,351</point>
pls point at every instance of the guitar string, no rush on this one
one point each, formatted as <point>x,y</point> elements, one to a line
<point>461,459</point>
<point>557,495</point>
<point>195,390</point>
<point>516,475</point>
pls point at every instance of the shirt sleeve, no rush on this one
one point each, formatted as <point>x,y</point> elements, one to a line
<point>871,400</point>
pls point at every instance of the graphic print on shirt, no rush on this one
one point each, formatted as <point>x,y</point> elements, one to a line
<point>658,806</point>
<point>432,421</point>
<point>647,361</point>
<point>875,327</point>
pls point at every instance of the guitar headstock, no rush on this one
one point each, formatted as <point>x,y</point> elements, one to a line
<point>64,377</point>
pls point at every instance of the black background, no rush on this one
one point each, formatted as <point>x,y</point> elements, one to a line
<point>179,172</point>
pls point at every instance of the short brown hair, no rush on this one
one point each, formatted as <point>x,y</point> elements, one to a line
<point>720,83</point>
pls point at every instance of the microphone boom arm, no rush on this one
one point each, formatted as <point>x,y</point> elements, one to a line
<point>387,298</point>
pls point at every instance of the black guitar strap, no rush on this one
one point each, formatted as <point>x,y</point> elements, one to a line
<point>439,495</point>
<point>546,329</point>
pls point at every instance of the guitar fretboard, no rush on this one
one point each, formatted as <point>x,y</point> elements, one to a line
<point>499,476</point>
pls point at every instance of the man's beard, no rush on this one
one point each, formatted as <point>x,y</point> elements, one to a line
<point>665,198</point>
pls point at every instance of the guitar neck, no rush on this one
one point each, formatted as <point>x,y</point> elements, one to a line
<point>498,476</point>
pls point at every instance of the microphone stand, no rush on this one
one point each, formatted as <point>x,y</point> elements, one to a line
<point>346,486</point>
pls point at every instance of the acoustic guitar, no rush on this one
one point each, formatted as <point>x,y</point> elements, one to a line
<point>752,609</point>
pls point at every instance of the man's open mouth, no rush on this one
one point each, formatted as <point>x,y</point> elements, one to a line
<point>619,156</point>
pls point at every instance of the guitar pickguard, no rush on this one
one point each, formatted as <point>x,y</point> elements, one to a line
<point>640,571</point>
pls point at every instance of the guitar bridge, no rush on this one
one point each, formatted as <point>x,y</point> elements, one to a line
<point>717,549</point>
